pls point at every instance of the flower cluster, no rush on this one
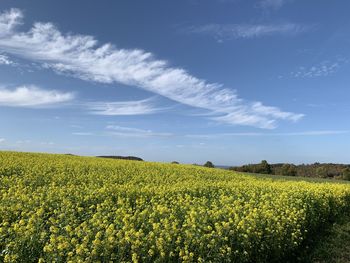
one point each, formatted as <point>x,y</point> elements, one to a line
<point>56,208</point>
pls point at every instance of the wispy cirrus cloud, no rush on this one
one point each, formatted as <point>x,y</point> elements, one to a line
<point>260,134</point>
<point>126,132</point>
<point>126,129</point>
<point>9,20</point>
<point>81,56</point>
<point>122,131</point>
<point>138,107</point>
<point>257,108</point>
<point>5,60</point>
<point>83,133</point>
<point>247,31</point>
<point>323,69</point>
<point>315,133</point>
<point>32,96</point>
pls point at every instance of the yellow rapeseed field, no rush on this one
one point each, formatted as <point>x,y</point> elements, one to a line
<point>56,208</point>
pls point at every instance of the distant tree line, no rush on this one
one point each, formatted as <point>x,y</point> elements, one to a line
<point>133,158</point>
<point>321,170</point>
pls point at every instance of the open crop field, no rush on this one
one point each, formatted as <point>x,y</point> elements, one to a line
<point>56,208</point>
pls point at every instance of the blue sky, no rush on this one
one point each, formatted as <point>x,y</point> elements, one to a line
<point>231,81</point>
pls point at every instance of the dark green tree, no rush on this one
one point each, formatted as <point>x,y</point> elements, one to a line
<point>322,172</point>
<point>209,164</point>
<point>265,167</point>
<point>346,173</point>
<point>289,169</point>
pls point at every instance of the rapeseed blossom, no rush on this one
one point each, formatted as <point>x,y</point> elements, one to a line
<point>56,208</point>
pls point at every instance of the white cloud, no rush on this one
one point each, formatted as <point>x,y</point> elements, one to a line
<point>235,31</point>
<point>249,134</point>
<point>2,140</point>
<point>32,96</point>
<point>131,132</point>
<point>315,133</point>
<point>126,132</point>
<point>47,143</point>
<point>126,129</point>
<point>258,107</point>
<point>9,20</point>
<point>23,141</point>
<point>323,69</point>
<point>5,60</point>
<point>83,133</point>
<point>76,126</point>
<point>139,107</point>
<point>80,56</point>
<point>135,132</point>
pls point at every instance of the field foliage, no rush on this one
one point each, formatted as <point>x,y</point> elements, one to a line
<point>79,209</point>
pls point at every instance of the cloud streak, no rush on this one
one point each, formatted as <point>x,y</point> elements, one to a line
<point>5,60</point>
<point>32,96</point>
<point>121,131</point>
<point>81,56</point>
<point>126,132</point>
<point>9,20</point>
<point>260,134</point>
<point>247,31</point>
<point>139,107</point>
<point>83,133</point>
<point>135,132</point>
<point>323,69</point>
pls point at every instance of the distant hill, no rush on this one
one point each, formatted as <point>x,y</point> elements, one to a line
<point>133,158</point>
